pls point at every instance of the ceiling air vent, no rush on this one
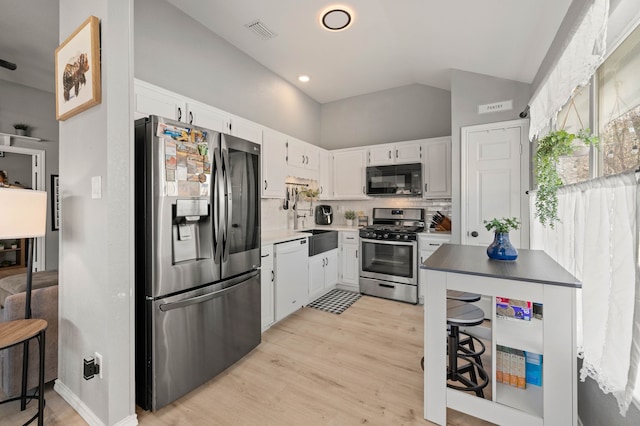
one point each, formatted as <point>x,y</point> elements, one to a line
<point>259,29</point>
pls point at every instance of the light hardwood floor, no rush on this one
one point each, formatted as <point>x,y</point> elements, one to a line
<point>313,368</point>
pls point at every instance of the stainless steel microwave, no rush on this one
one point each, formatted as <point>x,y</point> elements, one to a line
<point>404,180</point>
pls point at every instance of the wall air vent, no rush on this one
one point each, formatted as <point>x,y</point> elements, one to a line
<point>259,29</point>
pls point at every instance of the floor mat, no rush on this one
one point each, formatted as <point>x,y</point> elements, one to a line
<point>336,301</point>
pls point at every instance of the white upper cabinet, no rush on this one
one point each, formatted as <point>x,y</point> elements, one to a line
<point>437,167</point>
<point>325,181</point>
<point>203,115</point>
<point>395,153</point>
<point>303,159</point>
<point>152,100</point>
<point>274,152</point>
<point>349,174</point>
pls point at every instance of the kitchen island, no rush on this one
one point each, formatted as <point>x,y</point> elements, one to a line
<point>534,277</point>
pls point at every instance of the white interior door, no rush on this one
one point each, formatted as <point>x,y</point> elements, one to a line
<point>494,177</point>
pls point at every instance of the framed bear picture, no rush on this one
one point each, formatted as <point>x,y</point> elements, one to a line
<point>78,70</point>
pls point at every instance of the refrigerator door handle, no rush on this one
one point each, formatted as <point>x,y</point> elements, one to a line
<point>219,203</point>
<point>233,285</point>
<point>228,200</point>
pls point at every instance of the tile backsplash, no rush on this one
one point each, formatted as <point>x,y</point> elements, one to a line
<point>274,217</point>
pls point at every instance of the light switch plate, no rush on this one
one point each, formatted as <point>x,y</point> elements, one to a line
<point>96,187</point>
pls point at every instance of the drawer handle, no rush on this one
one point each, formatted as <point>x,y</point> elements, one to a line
<point>386,285</point>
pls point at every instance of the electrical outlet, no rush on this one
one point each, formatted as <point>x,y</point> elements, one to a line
<point>99,363</point>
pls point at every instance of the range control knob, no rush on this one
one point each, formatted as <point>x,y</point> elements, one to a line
<point>406,237</point>
<point>398,237</point>
<point>385,236</point>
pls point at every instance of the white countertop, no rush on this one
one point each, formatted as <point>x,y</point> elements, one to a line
<point>279,236</point>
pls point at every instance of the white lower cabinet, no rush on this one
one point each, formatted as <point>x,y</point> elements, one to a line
<point>267,286</point>
<point>349,261</point>
<point>323,273</point>
<point>427,244</point>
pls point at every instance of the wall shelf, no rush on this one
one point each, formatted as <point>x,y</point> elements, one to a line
<point>5,138</point>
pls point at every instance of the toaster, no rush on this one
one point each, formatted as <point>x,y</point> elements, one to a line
<point>324,215</point>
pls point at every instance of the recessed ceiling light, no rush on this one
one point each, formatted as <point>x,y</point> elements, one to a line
<point>336,18</point>
<point>304,78</point>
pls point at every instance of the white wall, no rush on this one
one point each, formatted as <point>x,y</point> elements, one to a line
<point>37,108</point>
<point>178,53</point>
<point>96,271</point>
<point>400,114</point>
<point>468,90</point>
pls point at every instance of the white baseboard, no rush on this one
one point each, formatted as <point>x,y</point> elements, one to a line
<point>84,411</point>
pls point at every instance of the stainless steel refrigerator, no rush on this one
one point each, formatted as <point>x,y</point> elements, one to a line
<point>197,233</point>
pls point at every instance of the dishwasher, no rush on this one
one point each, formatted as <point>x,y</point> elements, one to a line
<point>292,278</point>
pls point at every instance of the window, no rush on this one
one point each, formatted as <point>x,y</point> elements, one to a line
<point>573,117</point>
<point>619,107</point>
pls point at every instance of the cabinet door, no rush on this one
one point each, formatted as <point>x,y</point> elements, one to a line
<point>312,154</point>
<point>348,174</point>
<point>207,116</point>
<point>267,287</point>
<point>380,155</point>
<point>409,153</point>
<point>149,100</point>
<point>330,269</point>
<point>326,175</point>
<point>316,276</point>
<point>245,129</point>
<point>296,155</point>
<point>274,152</point>
<point>350,266</point>
<point>437,168</point>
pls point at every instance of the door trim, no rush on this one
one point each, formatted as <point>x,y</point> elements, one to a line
<point>525,180</point>
<point>38,182</point>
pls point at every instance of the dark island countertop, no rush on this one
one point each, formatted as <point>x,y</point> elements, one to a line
<point>531,265</point>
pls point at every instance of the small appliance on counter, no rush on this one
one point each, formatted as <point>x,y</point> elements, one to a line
<point>324,215</point>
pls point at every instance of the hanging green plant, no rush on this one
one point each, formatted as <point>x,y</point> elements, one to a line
<point>550,149</point>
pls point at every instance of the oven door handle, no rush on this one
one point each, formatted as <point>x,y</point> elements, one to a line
<point>392,243</point>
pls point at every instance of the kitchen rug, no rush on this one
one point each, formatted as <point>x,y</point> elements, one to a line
<point>336,301</point>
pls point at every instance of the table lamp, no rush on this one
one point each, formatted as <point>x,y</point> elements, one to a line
<point>23,214</point>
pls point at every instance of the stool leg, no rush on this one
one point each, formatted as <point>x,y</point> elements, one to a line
<point>25,369</point>
<point>453,351</point>
<point>41,381</point>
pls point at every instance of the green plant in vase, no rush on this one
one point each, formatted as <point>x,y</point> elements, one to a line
<point>350,216</point>
<point>501,247</point>
<point>550,148</point>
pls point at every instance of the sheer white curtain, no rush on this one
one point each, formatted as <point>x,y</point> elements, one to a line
<point>597,241</point>
<point>580,57</point>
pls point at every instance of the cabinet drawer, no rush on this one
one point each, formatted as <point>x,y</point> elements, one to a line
<point>266,253</point>
<point>348,237</point>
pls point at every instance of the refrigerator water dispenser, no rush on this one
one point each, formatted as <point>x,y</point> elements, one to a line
<point>191,226</point>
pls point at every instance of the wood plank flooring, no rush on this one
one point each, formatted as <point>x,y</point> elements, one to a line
<point>313,368</point>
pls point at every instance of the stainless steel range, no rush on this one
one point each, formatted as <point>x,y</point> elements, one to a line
<point>389,248</point>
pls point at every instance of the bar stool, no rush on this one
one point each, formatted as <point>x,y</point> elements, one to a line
<point>467,344</point>
<point>17,332</point>
<point>464,314</point>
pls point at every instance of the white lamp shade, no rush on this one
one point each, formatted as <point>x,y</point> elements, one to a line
<point>23,213</point>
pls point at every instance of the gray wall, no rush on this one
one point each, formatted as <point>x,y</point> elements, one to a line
<point>96,237</point>
<point>400,114</point>
<point>37,108</point>
<point>468,90</point>
<point>177,53</point>
<point>596,408</point>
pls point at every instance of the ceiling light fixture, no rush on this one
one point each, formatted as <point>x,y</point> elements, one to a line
<point>304,78</point>
<point>336,18</point>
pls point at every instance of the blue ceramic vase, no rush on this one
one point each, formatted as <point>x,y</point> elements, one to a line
<point>501,248</point>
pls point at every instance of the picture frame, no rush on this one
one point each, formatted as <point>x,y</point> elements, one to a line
<point>78,83</point>
<point>55,202</point>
